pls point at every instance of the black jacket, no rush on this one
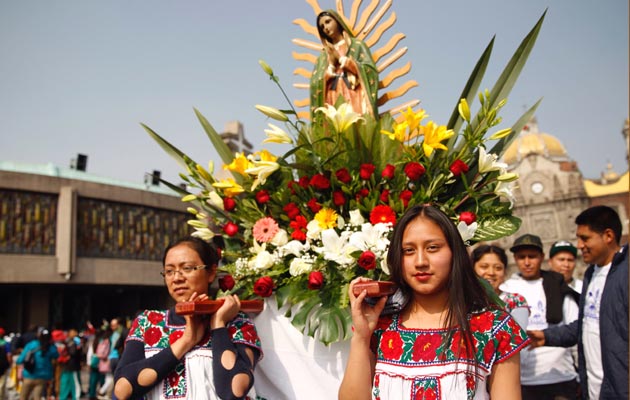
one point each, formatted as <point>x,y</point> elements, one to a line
<point>613,328</point>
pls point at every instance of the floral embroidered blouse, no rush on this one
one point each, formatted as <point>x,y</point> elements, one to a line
<point>417,364</point>
<point>191,377</point>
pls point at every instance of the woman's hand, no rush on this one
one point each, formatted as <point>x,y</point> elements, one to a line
<point>194,331</point>
<point>231,306</point>
<point>364,316</point>
<point>333,54</point>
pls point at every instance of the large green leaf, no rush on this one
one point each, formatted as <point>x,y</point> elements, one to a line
<point>178,155</point>
<point>505,142</point>
<point>494,228</point>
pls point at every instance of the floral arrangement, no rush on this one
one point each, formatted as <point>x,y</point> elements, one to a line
<point>303,224</point>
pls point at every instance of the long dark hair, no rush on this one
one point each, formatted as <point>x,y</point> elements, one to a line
<point>465,293</point>
<point>484,249</point>
<point>207,252</point>
<point>333,16</point>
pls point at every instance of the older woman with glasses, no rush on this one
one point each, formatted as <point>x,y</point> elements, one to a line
<point>192,356</point>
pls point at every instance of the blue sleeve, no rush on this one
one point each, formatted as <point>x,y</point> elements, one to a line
<point>562,336</point>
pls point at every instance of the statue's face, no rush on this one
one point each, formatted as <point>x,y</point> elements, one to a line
<point>329,26</point>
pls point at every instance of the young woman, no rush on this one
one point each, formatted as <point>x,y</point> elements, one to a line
<point>194,357</point>
<point>489,262</point>
<point>449,341</point>
<point>344,68</point>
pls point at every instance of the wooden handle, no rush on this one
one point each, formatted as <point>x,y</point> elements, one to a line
<point>211,306</point>
<point>374,288</point>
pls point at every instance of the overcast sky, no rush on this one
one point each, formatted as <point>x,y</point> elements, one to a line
<point>78,76</point>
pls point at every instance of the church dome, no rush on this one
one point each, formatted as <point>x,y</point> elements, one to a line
<point>531,141</point>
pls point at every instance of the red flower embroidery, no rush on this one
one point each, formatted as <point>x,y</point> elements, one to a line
<point>155,318</point>
<point>366,171</point>
<point>488,352</point>
<point>264,286</point>
<point>367,260</point>
<point>173,337</point>
<point>391,345</point>
<point>458,166</point>
<point>343,175</point>
<point>249,333</point>
<point>315,280</point>
<point>173,379</point>
<point>383,214</point>
<point>481,322</point>
<point>458,346</point>
<point>504,343</point>
<point>425,394</point>
<point>152,336</point>
<point>388,171</point>
<point>424,347</point>
<point>414,170</point>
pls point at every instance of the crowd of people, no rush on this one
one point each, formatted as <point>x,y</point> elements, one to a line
<point>539,334</point>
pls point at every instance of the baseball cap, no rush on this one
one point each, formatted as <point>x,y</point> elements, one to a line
<point>562,245</point>
<point>527,240</point>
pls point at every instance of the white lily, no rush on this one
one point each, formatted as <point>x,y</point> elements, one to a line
<point>262,170</point>
<point>506,190</point>
<point>277,135</point>
<point>203,233</point>
<point>342,118</point>
<point>294,247</point>
<point>370,237</point>
<point>313,230</point>
<point>215,199</point>
<point>466,231</point>
<point>336,248</point>
<point>488,161</point>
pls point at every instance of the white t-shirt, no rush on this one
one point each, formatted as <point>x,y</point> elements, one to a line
<point>576,284</point>
<point>543,365</point>
<point>590,331</point>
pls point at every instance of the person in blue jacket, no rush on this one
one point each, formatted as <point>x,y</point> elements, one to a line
<point>45,354</point>
<point>601,330</point>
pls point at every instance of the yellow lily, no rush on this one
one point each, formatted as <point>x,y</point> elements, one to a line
<point>413,119</point>
<point>229,186</point>
<point>263,165</point>
<point>501,134</point>
<point>433,136</point>
<point>239,164</point>
<point>400,132</point>
<point>464,110</point>
<point>342,118</point>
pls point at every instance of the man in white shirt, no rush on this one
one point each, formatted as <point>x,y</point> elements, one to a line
<point>601,330</point>
<point>562,256</point>
<point>548,372</point>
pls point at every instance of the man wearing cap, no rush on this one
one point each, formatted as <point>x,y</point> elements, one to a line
<point>562,257</point>
<point>601,331</point>
<point>548,372</point>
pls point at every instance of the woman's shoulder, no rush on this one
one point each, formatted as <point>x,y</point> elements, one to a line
<point>514,300</point>
<point>488,319</point>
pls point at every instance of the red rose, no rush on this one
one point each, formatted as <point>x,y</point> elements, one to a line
<point>292,210</point>
<point>382,214</point>
<point>230,229</point>
<point>262,197</point>
<point>405,196</point>
<point>152,336</point>
<point>424,348</point>
<point>229,204</point>
<point>338,198</point>
<point>414,170</point>
<point>264,286</point>
<point>155,317</point>
<point>314,205</point>
<point>343,175</point>
<point>366,171</point>
<point>362,193</point>
<point>388,171</point>
<point>320,182</point>
<point>315,280</point>
<point>384,196</point>
<point>391,345</point>
<point>226,282</point>
<point>458,167</point>
<point>173,337</point>
<point>304,181</point>
<point>367,260</point>
<point>467,217</point>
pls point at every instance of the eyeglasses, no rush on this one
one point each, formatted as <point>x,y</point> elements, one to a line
<point>185,271</point>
